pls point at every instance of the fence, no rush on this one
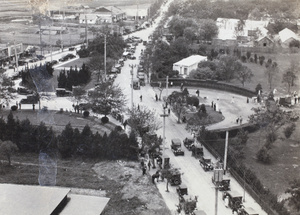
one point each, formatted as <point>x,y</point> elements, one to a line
<point>211,84</point>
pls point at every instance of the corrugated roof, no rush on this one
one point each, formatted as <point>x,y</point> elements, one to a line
<point>191,60</point>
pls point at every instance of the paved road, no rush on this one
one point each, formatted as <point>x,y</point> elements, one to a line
<point>198,182</point>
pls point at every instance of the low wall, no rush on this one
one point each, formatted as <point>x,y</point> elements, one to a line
<point>210,84</point>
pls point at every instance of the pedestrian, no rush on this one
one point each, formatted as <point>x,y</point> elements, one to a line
<point>20,106</point>
<point>226,201</point>
<point>124,124</point>
<point>138,107</point>
<point>144,170</point>
<point>232,100</point>
<point>215,107</point>
<point>241,120</point>
<point>141,98</point>
<point>247,100</point>
<point>149,164</point>
<point>212,104</point>
<point>237,120</point>
<point>169,111</point>
<point>142,163</point>
<point>197,92</point>
<point>33,106</point>
<point>181,87</point>
<point>156,97</point>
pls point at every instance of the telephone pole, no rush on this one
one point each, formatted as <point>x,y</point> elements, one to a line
<point>225,153</point>
<point>104,56</point>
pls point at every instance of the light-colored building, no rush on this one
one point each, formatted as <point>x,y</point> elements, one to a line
<point>89,19</point>
<point>110,14</point>
<point>186,65</point>
<point>264,41</point>
<point>286,36</point>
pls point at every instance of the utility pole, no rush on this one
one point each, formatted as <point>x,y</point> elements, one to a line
<point>41,45</point>
<point>137,13</point>
<point>16,55</point>
<point>225,153</point>
<point>86,34</point>
<point>104,56</point>
<point>167,85</point>
<point>164,115</point>
<point>131,73</point>
<point>216,200</point>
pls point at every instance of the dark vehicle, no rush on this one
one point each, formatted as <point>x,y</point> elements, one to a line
<point>144,42</point>
<point>188,142</point>
<point>40,57</point>
<point>63,92</point>
<point>175,176</point>
<point>24,91</point>
<point>219,181</point>
<point>136,84</point>
<point>206,164</point>
<point>131,57</point>
<point>197,150</point>
<point>67,57</point>
<point>235,199</point>
<point>71,48</point>
<point>141,77</point>
<point>182,190</point>
<point>32,60</point>
<point>247,211</point>
<point>176,147</point>
<point>31,99</point>
<point>53,62</point>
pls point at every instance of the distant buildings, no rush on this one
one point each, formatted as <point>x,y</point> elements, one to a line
<point>186,65</point>
<point>286,36</point>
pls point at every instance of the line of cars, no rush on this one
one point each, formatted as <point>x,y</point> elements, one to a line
<point>220,181</point>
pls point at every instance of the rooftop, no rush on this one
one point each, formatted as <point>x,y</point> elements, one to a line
<point>191,60</point>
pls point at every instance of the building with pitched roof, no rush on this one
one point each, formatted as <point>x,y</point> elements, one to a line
<point>286,36</point>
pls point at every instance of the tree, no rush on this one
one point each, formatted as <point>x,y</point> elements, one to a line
<point>227,67</point>
<point>178,103</point>
<point>107,97</point>
<point>7,148</point>
<point>78,93</point>
<point>294,191</point>
<point>143,120</point>
<point>270,73</point>
<point>6,93</point>
<point>208,29</point>
<point>290,75</point>
<point>65,142</point>
<point>244,75</point>
<point>258,88</point>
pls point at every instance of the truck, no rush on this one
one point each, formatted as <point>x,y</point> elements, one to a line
<point>206,163</point>
<point>136,84</point>
<point>188,142</point>
<point>176,147</point>
<point>173,175</point>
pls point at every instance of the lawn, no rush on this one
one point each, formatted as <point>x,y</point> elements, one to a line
<point>283,61</point>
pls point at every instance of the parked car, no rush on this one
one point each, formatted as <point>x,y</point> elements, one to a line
<point>131,57</point>
<point>71,48</point>
<point>188,142</point>
<point>206,163</point>
<point>176,147</point>
<point>235,199</point>
<point>40,57</point>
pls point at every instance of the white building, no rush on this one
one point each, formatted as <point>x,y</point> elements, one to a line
<point>186,65</point>
<point>286,36</point>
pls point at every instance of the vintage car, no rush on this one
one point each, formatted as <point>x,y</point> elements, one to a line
<point>182,190</point>
<point>235,199</point>
<point>247,211</point>
<point>188,142</point>
<point>176,147</point>
<point>206,163</point>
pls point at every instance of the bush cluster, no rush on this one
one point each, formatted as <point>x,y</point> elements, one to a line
<point>212,142</point>
<point>71,142</point>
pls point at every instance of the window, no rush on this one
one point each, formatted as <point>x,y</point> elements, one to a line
<point>185,70</point>
<point>265,44</point>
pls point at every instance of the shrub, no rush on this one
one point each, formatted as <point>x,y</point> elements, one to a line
<point>243,58</point>
<point>271,137</point>
<point>192,100</point>
<point>288,131</point>
<point>203,108</point>
<point>14,108</point>
<point>261,60</point>
<point>104,119</point>
<point>86,113</point>
<point>83,53</point>
<point>263,155</point>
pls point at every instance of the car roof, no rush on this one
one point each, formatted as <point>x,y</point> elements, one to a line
<point>176,140</point>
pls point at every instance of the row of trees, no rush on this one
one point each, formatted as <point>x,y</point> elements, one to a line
<point>71,142</point>
<point>73,77</point>
<point>235,9</point>
<point>225,68</point>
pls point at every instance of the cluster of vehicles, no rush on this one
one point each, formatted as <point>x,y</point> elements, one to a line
<point>233,199</point>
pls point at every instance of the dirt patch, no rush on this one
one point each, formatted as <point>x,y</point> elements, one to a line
<point>130,191</point>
